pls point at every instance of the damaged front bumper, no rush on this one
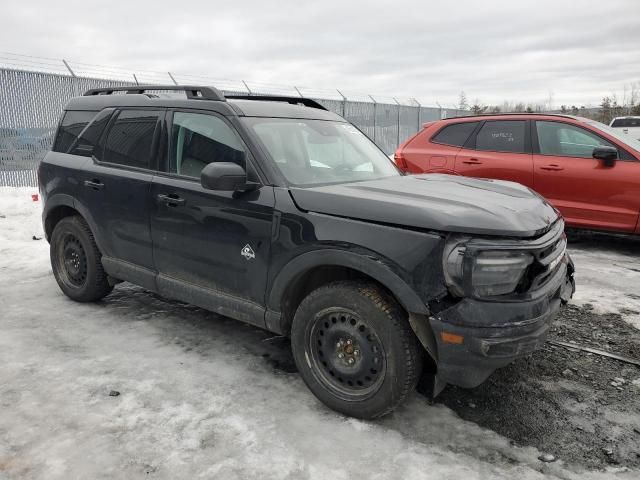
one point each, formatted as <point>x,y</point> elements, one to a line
<point>475,337</point>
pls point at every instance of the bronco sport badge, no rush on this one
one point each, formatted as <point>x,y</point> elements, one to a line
<point>247,252</point>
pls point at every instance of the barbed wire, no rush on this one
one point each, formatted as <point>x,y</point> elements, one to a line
<point>110,72</point>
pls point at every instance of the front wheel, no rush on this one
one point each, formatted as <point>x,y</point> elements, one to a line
<point>76,261</point>
<point>355,350</point>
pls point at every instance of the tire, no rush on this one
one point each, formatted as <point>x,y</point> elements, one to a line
<point>75,260</point>
<point>355,350</point>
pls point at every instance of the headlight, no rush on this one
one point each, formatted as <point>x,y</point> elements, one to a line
<point>498,273</point>
<point>483,273</point>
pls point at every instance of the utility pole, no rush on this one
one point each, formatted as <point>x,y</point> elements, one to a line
<point>172,79</point>
<point>247,87</point>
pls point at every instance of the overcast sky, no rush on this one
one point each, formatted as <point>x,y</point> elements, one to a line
<point>576,50</point>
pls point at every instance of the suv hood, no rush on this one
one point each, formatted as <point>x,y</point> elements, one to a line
<point>446,203</point>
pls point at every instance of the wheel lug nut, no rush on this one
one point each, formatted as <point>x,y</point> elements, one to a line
<point>341,355</point>
<point>349,342</point>
<point>351,360</point>
<point>356,352</point>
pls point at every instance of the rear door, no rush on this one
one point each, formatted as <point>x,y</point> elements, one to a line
<point>436,153</point>
<point>210,248</point>
<point>115,183</point>
<point>588,193</point>
<point>500,149</point>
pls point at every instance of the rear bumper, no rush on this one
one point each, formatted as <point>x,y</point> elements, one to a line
<point>496,333</point>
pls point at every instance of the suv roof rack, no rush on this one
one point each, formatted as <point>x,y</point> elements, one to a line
<point>307,102</point>
<point>196,93</point>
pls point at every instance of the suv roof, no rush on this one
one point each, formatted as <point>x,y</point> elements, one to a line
<point>514,114</point>
<point>205,98</point>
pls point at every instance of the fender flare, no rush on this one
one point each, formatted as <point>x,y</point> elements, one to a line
<point>64,200</point>
<point>366,264</point>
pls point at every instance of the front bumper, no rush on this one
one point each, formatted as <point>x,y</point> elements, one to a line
<point>496,333</point>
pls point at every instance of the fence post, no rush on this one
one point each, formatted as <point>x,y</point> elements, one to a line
<point>68,68</point>
<point>419,113</point>
<point>398,136</point>
<point>344,102</point>
<point>375,117</point>
<point>172,79</point>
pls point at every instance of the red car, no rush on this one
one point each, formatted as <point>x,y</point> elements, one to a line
<point>586,169</point>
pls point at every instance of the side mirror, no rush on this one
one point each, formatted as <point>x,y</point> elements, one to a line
<point>608,155</point>
<point>225,176</point>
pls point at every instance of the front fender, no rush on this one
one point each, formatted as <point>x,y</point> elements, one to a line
<point>367,264</point>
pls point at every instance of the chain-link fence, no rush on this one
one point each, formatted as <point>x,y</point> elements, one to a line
<point>31,103</point>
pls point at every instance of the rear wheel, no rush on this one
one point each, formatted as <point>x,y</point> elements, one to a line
<point>355,349</point>
<point>75,260</point>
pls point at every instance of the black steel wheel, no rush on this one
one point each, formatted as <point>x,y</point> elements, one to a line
<point>354,348</point>
<point>75,260</point>
<point>347,353</point>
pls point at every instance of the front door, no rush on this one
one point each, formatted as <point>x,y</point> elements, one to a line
<point>588,193</point>
<point>210,248</point>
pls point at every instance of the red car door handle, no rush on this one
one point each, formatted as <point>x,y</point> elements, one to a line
<point>472,161</point>
<point>554,168</point>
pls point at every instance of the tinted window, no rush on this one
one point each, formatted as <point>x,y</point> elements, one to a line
<point>130,138</point>
<point>456,134</point>
<point>626,122</point>
<point>73,122</point>
<point>85,144</point>
<point>502,136</point>
<point>197,140</point>
<point>565,140</point>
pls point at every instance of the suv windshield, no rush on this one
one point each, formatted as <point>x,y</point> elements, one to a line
<point>315,152</point>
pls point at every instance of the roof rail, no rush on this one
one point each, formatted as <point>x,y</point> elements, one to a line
<point>199,93</point>
<point>307,102</point>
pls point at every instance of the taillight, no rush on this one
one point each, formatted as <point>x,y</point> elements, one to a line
<point>401,162</point>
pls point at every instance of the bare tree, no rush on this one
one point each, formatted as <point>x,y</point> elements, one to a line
<point>477,108</point>
<point>462,103</point>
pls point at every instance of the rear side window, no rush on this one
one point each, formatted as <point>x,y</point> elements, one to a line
<point>502,136</point>
<point>130,138</point>
<point>73,122</point>
<point>455,135</point>
<point>626,122</point>
<point>86,144</point>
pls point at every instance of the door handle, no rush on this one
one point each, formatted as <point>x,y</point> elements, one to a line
<point>171,200</point>
<point>472,161</point>
<point>94,184</point>
<point>554,168</point>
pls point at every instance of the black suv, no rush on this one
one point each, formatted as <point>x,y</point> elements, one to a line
<point>279,213</point>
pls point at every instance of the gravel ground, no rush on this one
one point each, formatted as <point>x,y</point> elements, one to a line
<point>567,402</point>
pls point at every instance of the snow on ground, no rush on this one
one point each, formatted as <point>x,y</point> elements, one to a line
<point>608,274</point>
<point>197,398</point>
